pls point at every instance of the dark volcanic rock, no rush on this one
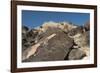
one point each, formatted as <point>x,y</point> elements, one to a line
<point>76,54</point>
<point>55,49</point>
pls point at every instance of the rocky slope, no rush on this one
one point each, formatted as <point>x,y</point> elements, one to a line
<point>55,41</point>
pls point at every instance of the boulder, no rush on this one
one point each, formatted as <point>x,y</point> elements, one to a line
<point>76,54</point>
<point>55,49</point>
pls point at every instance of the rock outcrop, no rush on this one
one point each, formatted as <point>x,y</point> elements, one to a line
<point>55,41</point>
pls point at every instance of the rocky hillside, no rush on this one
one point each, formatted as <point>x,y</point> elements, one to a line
<point>55,41</point>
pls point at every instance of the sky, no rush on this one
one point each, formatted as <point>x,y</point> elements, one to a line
<point>33,19</point>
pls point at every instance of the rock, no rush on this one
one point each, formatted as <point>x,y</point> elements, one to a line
<point>24,29</point>
<point>72,33</point>
<point>80,37</point>
<point>24,32</point>
<point>76,54</point>
<point>87,26</point>
<point>54,49</point>
<point>86,50</point>
<point>82,40</point>
<point>65,26</point>
<point>71,42</point>
<point>32,33</point>
<point>28,37</point>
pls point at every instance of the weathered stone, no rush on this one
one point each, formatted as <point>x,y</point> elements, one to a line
<point>24,29</point>
<point>87,26</point>
<point>75,31</point>
<point>76,54</point>
<point>28,37</point>
<point>82,40</point>
<point>58,47</point>
<point>54,49</point>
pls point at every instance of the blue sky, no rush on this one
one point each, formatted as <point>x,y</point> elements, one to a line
<point>36,18</point>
